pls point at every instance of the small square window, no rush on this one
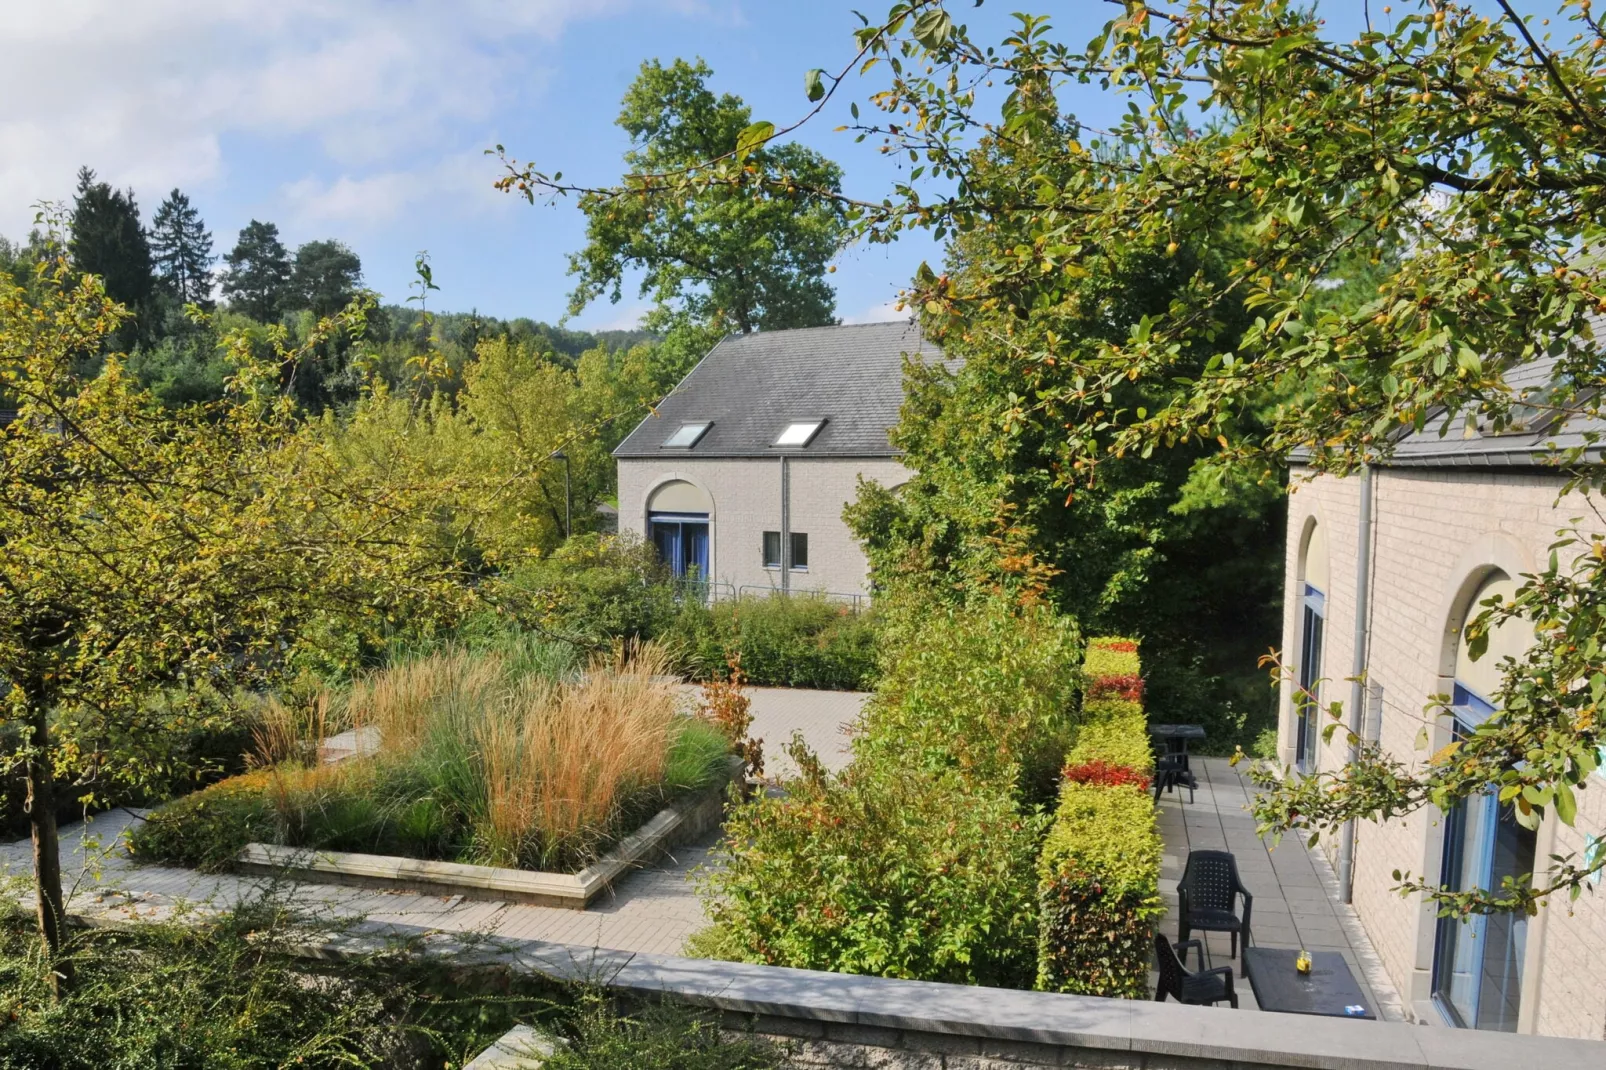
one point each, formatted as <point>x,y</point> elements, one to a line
<point>772,549</point>
<point>800,552</point>
<point>800,433</point>
<point>687,435</point>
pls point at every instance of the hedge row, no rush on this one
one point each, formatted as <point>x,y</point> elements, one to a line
<point>1099,871</point>
<point>799,640</point>
<point>920,860</point>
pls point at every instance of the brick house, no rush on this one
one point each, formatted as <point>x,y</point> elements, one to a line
<point>1449,520</point>
<point>741,475</point>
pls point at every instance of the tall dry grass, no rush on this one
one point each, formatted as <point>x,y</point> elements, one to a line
<point>487,756</point>
<point>561,760</point>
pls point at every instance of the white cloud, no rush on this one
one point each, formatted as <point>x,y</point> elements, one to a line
<point>393,92</point>
<point>885,312</point>
<point>625,316</point>
<point>464,180</point>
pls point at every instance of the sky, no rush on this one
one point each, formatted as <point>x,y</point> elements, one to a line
<point>367,121</point>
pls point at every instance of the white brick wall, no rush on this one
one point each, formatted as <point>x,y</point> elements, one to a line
<point>747,503</point>
<point>1436,529</point>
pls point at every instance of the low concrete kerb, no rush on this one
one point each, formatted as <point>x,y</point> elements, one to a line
<point>521,1048</point>
<point>681,822</point>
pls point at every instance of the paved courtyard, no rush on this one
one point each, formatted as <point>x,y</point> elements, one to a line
<point>652,910</point>
<point>1297,902</point>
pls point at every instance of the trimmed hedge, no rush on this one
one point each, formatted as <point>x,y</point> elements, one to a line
<point>1099,893</point>
<point>1099,871</point>
<point>207,829</point>
<point>1113,731</point>
<point>798,640</point>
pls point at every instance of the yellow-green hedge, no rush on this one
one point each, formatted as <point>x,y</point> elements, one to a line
<point>1099,871</point>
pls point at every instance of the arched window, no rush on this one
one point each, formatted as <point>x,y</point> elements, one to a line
<point>677,523</point>
<point>1312,630</point>
<point>1477,963</point>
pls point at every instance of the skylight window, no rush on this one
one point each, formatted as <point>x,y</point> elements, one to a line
<point>799,434</point>
<point>687,435</point>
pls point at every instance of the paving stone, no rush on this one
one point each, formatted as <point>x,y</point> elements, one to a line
<point>1295,895</point>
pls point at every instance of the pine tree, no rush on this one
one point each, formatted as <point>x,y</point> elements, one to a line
<point>257,280</point>
<point>108,240</point>
<point>182,247</point>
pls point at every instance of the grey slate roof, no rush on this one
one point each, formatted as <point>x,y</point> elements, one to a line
<point>1450,444</point>
<point>751,386</point>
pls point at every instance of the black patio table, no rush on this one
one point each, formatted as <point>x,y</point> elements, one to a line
<point>1177,736</point>
<point>1329,988</point>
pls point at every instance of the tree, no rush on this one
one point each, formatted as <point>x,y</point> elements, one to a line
<point>1459,138</point>
<point>257,280</point>
<point>1119,556</point>
<point>182,247</point>
<point>325,278</point>
<point>713,257</point>
<point>147,546</point>
<point>109,241</point>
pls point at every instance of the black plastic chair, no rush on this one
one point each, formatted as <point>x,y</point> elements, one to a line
<point>1203,988</point>
<point>1206,894</point>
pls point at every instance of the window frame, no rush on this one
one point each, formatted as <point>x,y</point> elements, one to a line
<point>813,424</point>
<point>702,428</point>
<point>792,560</point>
<point>773,564</point>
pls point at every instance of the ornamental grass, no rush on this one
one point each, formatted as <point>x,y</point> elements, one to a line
<point>507,757</point>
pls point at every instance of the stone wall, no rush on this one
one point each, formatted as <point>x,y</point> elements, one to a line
<point>747,502</point>
<point>830,1020</point>
<point>1435,531</point>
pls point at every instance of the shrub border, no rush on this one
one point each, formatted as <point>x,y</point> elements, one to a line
<point>1099,871</point>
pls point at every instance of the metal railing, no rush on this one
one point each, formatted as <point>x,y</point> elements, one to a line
<point>854,599</point>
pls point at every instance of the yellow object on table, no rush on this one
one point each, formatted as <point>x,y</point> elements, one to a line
<point>1302,963</point>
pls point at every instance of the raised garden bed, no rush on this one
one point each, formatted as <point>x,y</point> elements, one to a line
<point>682,821</point>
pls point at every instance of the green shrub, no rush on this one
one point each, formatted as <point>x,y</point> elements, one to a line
<point>1099,873</point>
<point>226,993</point>
<point>1113,742</point>
<point>1110,657</point>
<point>892,872</point>
<point>594,589</point>
<point>798,640</point>
<point>1099,893</point>
<point>185,737</point>
<point>659,1036</point>
<point>207,830</point>
<point>986,691</point>
<point>1265,745</point>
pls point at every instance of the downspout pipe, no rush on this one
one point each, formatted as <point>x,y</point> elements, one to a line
<point>786,525</point>
<point>1357,686</point>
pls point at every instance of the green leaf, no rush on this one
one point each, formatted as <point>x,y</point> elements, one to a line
<point>753,137</point>
<point>933,28</point>
<point>1566,805</point>
<point>814,84</point>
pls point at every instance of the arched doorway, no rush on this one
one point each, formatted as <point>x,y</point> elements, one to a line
<point>1478,961</point>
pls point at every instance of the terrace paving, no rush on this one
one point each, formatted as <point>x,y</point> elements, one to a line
<point>652,910</point>
<point>1297,901</point>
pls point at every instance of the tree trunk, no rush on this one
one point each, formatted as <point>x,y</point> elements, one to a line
<point>46,848</point>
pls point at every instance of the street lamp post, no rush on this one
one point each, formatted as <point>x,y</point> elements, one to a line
<point>568,497</point>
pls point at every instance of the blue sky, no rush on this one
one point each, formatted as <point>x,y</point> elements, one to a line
<point>366,120</point>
